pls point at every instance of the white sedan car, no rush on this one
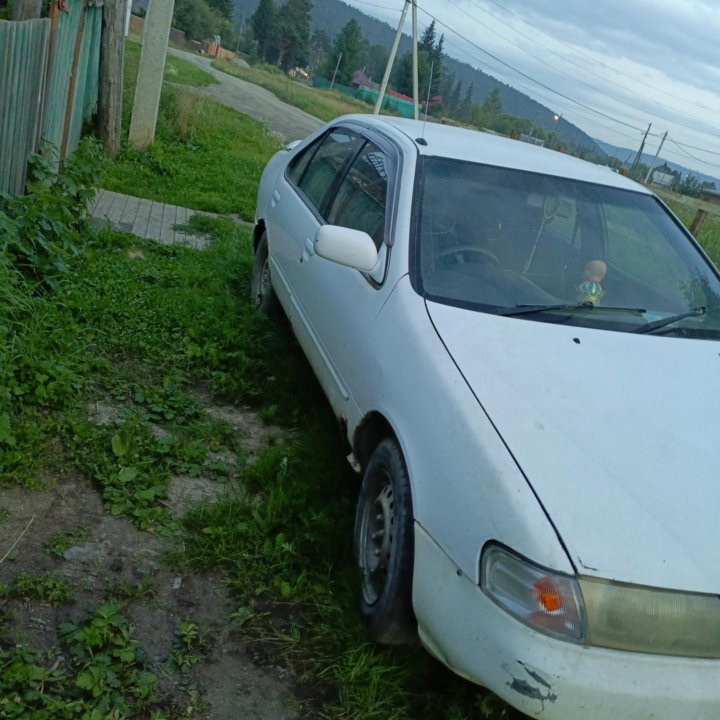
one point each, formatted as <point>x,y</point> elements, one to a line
<point>524,352</point>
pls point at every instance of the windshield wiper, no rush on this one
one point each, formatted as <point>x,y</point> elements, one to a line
<point>528,309</point>
<point>657,324</point>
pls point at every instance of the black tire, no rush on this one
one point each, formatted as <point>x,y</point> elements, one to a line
<point>384,547</point>
<point>261,284</point>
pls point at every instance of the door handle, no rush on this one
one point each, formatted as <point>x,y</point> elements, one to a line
<point>308,250</point>
<point>275,198</point>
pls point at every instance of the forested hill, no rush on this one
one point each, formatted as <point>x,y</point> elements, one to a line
<point>333,15</point>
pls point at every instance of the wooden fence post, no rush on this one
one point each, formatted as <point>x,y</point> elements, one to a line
<point>112,49</point>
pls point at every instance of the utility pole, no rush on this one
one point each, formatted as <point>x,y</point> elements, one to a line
<point>415,59</point>
<point>640,151</point>
<point>337,65</point>
<point>156,34</point>
<point>657,154</point>
<point>112,46</point>
<point>391,59</point>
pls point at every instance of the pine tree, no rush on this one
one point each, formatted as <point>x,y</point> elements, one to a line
<point>320,46</point>
<point>466,107</point>
<point>292,39</point>
<point>349,47</point>
<point>263,22</point>
<point>224,7</point>
<point>492,105</point>
<point>454,101</point>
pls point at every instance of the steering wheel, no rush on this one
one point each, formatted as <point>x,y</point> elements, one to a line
<point>482,255</point>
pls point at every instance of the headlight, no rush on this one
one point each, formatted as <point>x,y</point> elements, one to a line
<point>641,619</point>
<point>545,600</point>
<point>597,612</point>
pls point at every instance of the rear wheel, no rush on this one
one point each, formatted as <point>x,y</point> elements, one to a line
<point>261,285</point>
<point>384,547</point>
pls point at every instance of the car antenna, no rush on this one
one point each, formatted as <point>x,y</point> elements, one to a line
<point>421,140</point>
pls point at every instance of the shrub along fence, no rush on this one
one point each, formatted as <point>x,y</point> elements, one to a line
<point>49,70</point>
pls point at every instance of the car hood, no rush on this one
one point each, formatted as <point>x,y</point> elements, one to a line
<point>616,433</point>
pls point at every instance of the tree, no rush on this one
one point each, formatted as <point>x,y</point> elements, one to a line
<point>224,7</point>
<point>293,34</point>
<point>453,102</point>
<point>320,46</point>
<point>403,74</point>
<point>263,23</point>
<point>465,111</point>
<point>199,22</point>
<point>376,60</point>
<point>492,105</point>
<point>433,50</point>
<point>348,49</point>
<point>689,185</point>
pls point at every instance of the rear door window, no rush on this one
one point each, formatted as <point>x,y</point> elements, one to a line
<point>318,178</point>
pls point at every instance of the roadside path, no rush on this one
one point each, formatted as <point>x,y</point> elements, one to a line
<point>148,219</point>
<point>157,221</point>
<point>289,122</point>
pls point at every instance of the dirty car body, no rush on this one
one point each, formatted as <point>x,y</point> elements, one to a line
<point>524,352</point>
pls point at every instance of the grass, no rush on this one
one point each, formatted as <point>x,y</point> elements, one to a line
<point>709,235</point>
<point>140,325</point>
<point>323,104</point>
<point>205,156</point>
<point>177,70</point>
<point>109,317</point>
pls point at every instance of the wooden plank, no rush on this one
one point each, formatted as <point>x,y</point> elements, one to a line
<point>140,226</point>
<point>129,213</point>
<point>102,204</point>
<point>155,221</point>
<point>167,232</point>
<point>115,210</point>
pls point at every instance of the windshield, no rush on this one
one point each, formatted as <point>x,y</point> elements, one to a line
<point>499,240</point>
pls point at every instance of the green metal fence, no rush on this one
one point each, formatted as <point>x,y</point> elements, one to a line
<point>23,82</point>
<point>368,95</point>
<point>74,78</point>
<point>47,100</point>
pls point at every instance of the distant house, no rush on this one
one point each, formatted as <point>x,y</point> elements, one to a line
<point>360,79</point>
<point>662,179</point>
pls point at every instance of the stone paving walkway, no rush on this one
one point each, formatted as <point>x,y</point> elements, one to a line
<point>145,218</point>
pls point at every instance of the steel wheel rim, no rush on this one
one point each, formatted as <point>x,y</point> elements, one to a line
<point>376,539</point>
<point>263,283</point>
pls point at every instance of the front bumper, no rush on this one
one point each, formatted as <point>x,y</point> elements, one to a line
<point>540,675</point>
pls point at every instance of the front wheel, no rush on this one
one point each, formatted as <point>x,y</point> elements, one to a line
<point>384,547</point>
<point>261,284</point>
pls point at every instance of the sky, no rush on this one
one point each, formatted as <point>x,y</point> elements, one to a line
<point>611,67</point>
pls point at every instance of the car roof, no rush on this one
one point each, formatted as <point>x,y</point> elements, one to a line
<point>476,146</point>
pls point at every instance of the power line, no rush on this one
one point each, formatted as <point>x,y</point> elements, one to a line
<point>565,60</point>
<point>588,56</point>
<point>535,82</point>
<point>690,155</point>
<point>525,75</point>
<point>694,147</point>
<point>543,98</point>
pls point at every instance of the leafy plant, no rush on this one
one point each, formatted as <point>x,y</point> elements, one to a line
<point>47,589</point>
<point>188,643</point>
<point>101,674</point>
<point>58,543</point>
<point>41,230</point>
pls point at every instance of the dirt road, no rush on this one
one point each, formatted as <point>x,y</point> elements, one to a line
<point>259,103</point>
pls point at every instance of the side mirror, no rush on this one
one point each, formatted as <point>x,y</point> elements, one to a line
<point>352,248</point>
<point>292,145</point>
